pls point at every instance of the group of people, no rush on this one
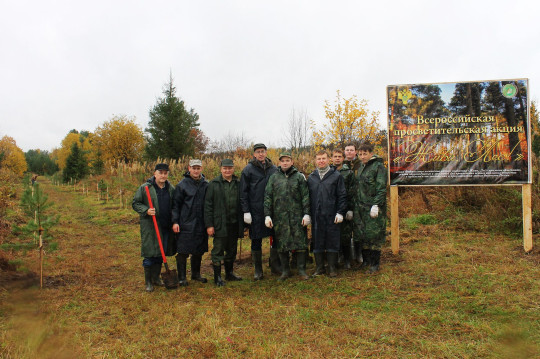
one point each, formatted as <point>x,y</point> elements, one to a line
<point>341,201</point>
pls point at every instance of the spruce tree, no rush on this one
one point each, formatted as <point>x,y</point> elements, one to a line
<point>170,126</point>
<point>76,165</point>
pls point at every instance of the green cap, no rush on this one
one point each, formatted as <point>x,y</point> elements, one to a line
<point>227,163</point>
<point>285,154</point>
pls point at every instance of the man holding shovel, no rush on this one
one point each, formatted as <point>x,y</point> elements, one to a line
<point>161,193</point>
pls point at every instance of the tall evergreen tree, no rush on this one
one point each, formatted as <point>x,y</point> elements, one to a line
<point>169,129</point>
<point>76,165</point>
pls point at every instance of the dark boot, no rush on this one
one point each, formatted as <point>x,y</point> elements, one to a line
<point>366,258</point>
<point>275,263</point>
<point>294,259</point>
<point>286,269</point>
<point>332,258</point>
<point>148,279</point>
<point>346,249</point>
<point>256,257</point>
<point>319,262</point>
<point>301,263</point>
<point>156,271</point>
<point>229,274</point>
<point>196,268</point>
<point>217,276</point>
<point>358,253</point>
<point>181,264</point>
<point>375,261</point>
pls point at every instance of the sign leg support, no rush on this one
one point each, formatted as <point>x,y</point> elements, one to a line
<point>394,217</point>
<point>527,217</point>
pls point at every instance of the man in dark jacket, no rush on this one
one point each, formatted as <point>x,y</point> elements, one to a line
<point>371,206</point>
<point>161,193</point>
<point>223,220</point>
<point>252,184</point>
<point>354,163</point>
<point>188,222</point>
<point>328,198</point>
<point>346,227</point>
<point>286,210</point>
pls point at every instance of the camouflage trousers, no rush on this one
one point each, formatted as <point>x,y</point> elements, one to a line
<point>369,233</point>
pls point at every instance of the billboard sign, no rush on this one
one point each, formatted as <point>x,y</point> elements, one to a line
<point>459,133</point>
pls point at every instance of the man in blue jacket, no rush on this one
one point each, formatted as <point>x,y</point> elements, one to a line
<point>188,222</point>
<point>252,184</point>
<point>328,198</point>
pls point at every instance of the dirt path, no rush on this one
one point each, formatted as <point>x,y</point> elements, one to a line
<point>93,255</point>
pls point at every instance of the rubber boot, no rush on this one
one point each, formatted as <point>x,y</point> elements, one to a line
<point>256,257</point>
<point>148,279</point>
<point>366,258</point>
<point>196,260</point>
<point>286,269</point>
<point>217,276</point>
<point>358,253</point>
<point>319,262</point>
<point>156,271</point>
<point>229,274</point>
<point>275,262</point>
<point>181,264</point>
<point>346,249</point>
<point>332,258</point>
<point>375,261</point>
<point>294,260</point>
<point>301,264</point>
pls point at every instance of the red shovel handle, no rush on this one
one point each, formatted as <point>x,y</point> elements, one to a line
<point>156,226</point>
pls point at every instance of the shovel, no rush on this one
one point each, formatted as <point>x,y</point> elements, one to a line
<point>170,277</point>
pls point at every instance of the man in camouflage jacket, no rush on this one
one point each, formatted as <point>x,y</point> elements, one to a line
<point>286,210</point>
<point>371,206</point>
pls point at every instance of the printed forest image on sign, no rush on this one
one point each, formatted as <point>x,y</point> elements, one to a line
<point>459,133</point>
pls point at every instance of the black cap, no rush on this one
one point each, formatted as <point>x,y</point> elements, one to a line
<point>258,145</point>
<point>227,163</point>
<point>161,166</point>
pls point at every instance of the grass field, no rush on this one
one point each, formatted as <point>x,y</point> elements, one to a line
<point>450,293</point>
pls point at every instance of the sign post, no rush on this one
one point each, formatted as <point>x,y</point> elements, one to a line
<point>455,134</point>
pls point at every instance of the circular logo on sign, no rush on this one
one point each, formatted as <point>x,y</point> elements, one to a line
<point>509,91</point>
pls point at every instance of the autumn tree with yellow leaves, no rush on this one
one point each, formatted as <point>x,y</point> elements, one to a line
<point>349,120</point>
<point>11,156</point>
<point>119,140</point>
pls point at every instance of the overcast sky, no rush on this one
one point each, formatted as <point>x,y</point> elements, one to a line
<point>243,65</point>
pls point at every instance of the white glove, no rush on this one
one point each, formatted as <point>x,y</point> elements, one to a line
<point>338,219</point>
<point>374,213</point>
<point>268,222</point>
<point>247,218</point>
<point>348,215</point>
<point>306,221</point>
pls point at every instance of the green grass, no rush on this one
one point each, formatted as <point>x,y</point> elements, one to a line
<point>450,293</point>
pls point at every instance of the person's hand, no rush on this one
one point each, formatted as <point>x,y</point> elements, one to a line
<point>374,212</point>
<point>306,221</point>
<point>268,222</point>
<point>247,218</point>
<point>211,231</point>
<point>338,219</point>
<point>151,212</point>
<point>176,228</point>
<point>349,215</point>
